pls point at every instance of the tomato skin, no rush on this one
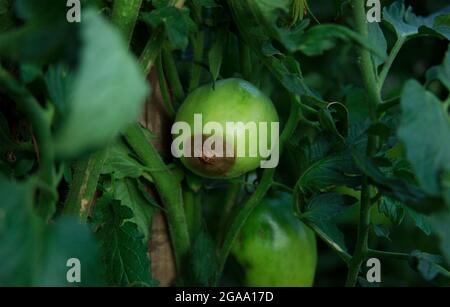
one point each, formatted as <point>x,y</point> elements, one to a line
<point>230,100</point>
<point>274,247</point>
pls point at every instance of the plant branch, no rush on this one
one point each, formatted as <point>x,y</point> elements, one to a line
<point>172,75</point>
<point>390,60</point>
<point>163,87</point>
<point>124,16</point>
<point>229,203</point>
<point>168,189</point>
<point>151,51</point>
<point>198,43</point>
<point>87,172</point>
<point>246,209</point>
<point>386,105</point>
<point>84,184</point>
<point>346,257</point>
<point>388,255</point>
<point>370,83</point>
<point>193,211</point>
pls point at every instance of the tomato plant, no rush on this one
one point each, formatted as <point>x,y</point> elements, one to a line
<point>230,101</point>
<point>99,101</point>
<point>275,248</point>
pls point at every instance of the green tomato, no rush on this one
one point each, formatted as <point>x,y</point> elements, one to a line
<point>228,101</point>
<point>274,247</point>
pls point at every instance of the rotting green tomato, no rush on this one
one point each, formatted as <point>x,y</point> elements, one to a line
<point>228,101</point>
<point>274,247</point>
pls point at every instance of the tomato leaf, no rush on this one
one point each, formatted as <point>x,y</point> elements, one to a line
<point>426,150</point>
<point>129,195</point>
<point>392,210</point>
<point>405,23</point>
<point>442,72</point>
<point>215,55</point>
<point>407,193</point>
<point>58,81</point>
<point>120,162</point>
<point>203,261</point>
<point>106,83</point>
<point>378,42</point>
<point>329,171</point>
<point>124,253</point>
<point>325,207</point>
<point>35,253</point>
<point>381,231</point>
<point>324,37</point>
<point>439,224</point>
<point>176,23</point>
<point>428,265</point>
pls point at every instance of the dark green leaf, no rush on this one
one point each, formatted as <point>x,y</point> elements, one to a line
<point>329,171</point>
<point>406,24</point>
<point>324,207</point>
<point>428,265</point>
<point>392,210</point>
<point>215,55</point>
<point>120,163</point>
<point>124,252</point>
<point>176,23</point>
<point>203,260</point>
<point>378,43</point>
<point>324,37</point>
<point>58,81</point>
<point>107,93</point>
<point>128,193</point>
<point>399,189</point>
<point>381,231</point>
<point>36,254</point>
<point>440,225</point>
<point>425,131</point>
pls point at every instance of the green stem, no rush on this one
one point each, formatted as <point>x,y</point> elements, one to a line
<point>163,87</point>
<point>192,208</point>
<point>365,60</point>
<point>151,51</point>
<point>369,78</point>
<point>198,44</point>
<point>230,200</point>
<point>172,75</point>
<point>388,255</point>
<point>27,104</point>
<point>87,172</point>
<point>324,237</point>
<point>283,187</point>
<point>124,16</point>
<point>84,184</point>
<point>246,209</point>
<point>169,190</point>
<point>246,62</point>
<point>387,104</point>
<point>387,66</point>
